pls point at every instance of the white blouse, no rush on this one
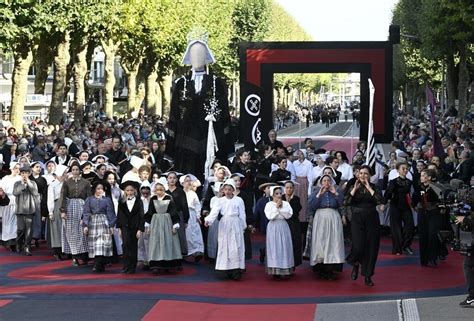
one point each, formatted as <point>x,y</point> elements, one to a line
<point>272,212</point>
<point>228,207</point>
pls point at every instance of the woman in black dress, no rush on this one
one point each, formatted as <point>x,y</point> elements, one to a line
<point>293,221</point>
<point>362,198</point>
<point>429,219</point>
<point>281,174</point>
<point>181,204</point>
<point>401,216</point>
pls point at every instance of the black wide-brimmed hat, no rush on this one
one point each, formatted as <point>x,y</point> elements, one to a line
<point>134,184</point>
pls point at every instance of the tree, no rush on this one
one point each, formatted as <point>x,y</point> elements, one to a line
<point>19,31</point>
<point>283,27</point>
<point>132,43</point>
<point>108,30</point>
<point>442,31</point>
<point>85,20</point>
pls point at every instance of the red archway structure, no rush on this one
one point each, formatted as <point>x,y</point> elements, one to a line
<point>260,61</point>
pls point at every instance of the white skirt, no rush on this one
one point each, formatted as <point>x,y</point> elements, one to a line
<point>9,225</point>
<point>231,247</point>
<point>193,235</point>
<point>279,245</point>
<point>327,243</point>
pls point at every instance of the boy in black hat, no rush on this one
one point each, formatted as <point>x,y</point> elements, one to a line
<point>130,220</point>
<point>27,199</point>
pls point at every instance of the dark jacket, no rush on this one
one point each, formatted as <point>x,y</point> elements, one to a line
<point>134,219</point>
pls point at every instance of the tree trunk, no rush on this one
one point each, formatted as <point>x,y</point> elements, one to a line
<point>141,93</point>
<point>132,88</point>
<point>150,94</point>
<point>89,55</point>
<point>159,99</point>
<point>61,61</point>
<point>281,98</point>
<point>110,48</point>
<point>450,81</point>
<point>275,99</point>
<point>23,59</point>
<point>80,71</point>
<point>165,86</point>
<point>43,60</point>
<point>69,76</point>
<point>463,81</point>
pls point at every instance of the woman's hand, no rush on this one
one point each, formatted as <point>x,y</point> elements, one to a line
<point>344,220</point>
<point>332,189</point>
<point>139,234</point>
<point>51,217</point>
<point>174,231</point>
<point>279,203</point>
<point>85,230</point>
<point>356,186</point>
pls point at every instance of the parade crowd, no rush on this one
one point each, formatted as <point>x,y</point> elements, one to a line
<point>106,191</point>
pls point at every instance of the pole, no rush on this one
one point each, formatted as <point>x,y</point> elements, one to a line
<point>299,132</point>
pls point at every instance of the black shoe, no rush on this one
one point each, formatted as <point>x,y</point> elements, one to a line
<point>262,256</point>
<point>355,272</point>
<point>467,303</point>
<point>124,270</point>
<point>236,276</point>
<point>27,252</point>
<point>408,250</point>
<point>198,258</point>
<point>368,281</point>
<point>57,257</point>
<point>331,276</point>
<point>131,271</point>
<point>442,257</point>
<point>37,245</point>
<point>146,267</point>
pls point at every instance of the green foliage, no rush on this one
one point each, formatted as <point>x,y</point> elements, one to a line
<point>431,31</point>
<point>19,24</point>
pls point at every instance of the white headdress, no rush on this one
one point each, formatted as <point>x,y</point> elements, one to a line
<point>194,36</point>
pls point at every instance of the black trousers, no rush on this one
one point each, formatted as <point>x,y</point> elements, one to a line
<point>469,274</point>
<point>428,228</point>
<point>365,228</point>
<point>130,248</point>
<point>401,228</point>
<point>24,232</point>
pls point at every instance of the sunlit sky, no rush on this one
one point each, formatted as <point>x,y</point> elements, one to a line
<point>342,20</point>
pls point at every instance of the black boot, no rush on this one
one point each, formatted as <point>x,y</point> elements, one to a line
<point>355,272</point>
<point>368,281</point>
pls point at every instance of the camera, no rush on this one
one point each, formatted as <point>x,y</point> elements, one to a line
<point>455,203</point>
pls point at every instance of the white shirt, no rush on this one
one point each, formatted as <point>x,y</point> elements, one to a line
<point>197,76</point>
<point>146,204</point>
<point>302,169</point>
<point>346,171</point>
<point>130,203</point>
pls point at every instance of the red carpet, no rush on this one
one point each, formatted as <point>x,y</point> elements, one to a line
<point>5,302</point>
<point>166,310</point>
